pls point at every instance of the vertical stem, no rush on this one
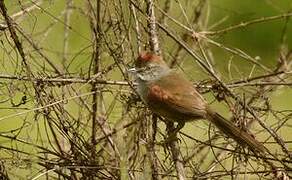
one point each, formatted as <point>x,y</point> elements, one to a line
<point>174,148</point>
<point>137,29</point>
<point>151,149</point>
<point>94,88</point>
<point>154,42</point>
<point>154,47</point>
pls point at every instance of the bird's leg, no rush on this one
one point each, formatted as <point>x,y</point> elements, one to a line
<point>179,126</point>
<point>172,131</point>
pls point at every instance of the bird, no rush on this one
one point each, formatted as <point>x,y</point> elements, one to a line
<point>170,95</point>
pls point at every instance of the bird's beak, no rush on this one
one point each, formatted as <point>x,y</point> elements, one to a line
<point>132,70</point>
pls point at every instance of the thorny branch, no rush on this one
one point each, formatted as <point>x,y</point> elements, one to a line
<point>69,108</point>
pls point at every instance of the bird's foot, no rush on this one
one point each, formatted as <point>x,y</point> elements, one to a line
<point>169,140</point>
<point>172,132</point>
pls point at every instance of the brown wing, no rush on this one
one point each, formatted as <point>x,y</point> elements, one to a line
<point>175,97</point>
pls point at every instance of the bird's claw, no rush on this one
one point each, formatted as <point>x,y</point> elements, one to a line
<point>170,139</point>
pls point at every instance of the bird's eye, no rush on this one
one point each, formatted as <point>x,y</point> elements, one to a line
<point>141,69</point>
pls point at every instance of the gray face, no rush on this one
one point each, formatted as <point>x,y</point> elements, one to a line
<point>152,72</point>
<point>148,74</point>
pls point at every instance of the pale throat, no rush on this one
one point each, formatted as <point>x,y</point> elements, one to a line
<point>147,75</point>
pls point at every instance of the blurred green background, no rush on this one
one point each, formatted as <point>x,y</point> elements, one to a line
<point>46,28</point>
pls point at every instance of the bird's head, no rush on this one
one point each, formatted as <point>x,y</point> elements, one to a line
<point>148,59</point>
<point>149,66</point>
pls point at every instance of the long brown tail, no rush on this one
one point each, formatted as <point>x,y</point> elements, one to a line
<point>240,136</point>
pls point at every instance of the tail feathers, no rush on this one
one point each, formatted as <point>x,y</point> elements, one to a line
<point>240,136</point>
